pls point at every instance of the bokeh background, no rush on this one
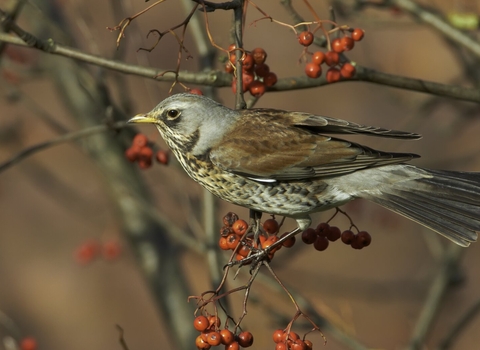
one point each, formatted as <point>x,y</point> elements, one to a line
<point>56,200</point>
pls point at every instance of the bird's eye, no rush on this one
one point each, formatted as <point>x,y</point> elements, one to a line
<point>172,114</point>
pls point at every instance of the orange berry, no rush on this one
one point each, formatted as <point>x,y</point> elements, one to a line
<point>223,243</point>
<point>318,57</point>
<point>321,243</point>
<point>214,322</point>
<point>337,46</point>
<point>247,80</point>
<point>309,344</point>
<point>347,43</point>
<point>348,237</point>
<point>298,345</point>
<point>140,140</point>
<point>313,70</point>
<point>28,343</point>
<point>291,336</point>
<point>200,343</point>
<point>270,240</point>
<point>278,335</point>
<point>281,346</point>
<point>87,252</point>
<point>333,233</point>
<point>229,68</point>
<point>333,75</point>
<point>196,91</point>
<point>240,227</point>
<point>270,79</point>
<point>271,226</point>
<point>214,338</point>
<point>232,346</point>
<point>257,88</point>
<point>332,58</point>
<point>259,55</point>
<point>232,241</point>
<point>245,339</point>
<point>243,251</point>
<point>305,38</point>
<point>229,219</point>
<point>227,337</point>
<point>200,323</point>
<point>357,34</point>
<point>309,236</point>
<point>131,154</point>
<point>348,70</point>
<point>262,70</point>
<point>162,157</point>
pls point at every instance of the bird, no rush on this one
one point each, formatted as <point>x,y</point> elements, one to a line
<point>293,164</point>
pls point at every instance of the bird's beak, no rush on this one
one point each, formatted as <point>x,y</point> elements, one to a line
<point>142,118</point>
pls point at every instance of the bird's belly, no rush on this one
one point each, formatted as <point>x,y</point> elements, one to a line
<point>281,198</point>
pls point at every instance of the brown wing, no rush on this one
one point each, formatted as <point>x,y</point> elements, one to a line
<point>278,145</point>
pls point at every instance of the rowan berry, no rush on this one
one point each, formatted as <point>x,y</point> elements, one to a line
<point>321,243</point>
<point>247,62</point>
<point>364,238</point>
<point>140,140</point>
<point>305,38</point>
<point>259,55</point>
<point>131,154</point>
<point>318,57</point>
<point>200,343</point>
<point>270,79</point>
<point>357,34</point>
<point>322,229</point>
<point>229,219</point>
<point>348,70</point>
<point>313,70</point>
<point>290,242</point>
<point>333,233</point>
<point>337,46</point>
<point>239,227</point>
<point>271,226</point>
<point>196,91</point>
<point>257,88</point>
<point>214,338</point>
<point>232,346</point>
<point>232,241</point>
<point>278,335</point>
<point>347,43</point>
<point>332,58</point>
<point>309,236</point>
<point>162,157</point>
<point>200,323</point>
<point>223,243</point>
<point>227,337</point>
<point>245,339</point>
<point>262,70</point>
<point>348,236</point>
<point>333,75</point>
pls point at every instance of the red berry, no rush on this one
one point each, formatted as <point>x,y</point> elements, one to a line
<point>196,91</point>
<point>337,46</point>
<point>111,250</point>
<point>299,345</point>
<point>247,62</point>
<point>131,154</point>
<point>347,43</point>
<point>357,34</point>
<point>356,244</point>
<point>270,79</point>
<point>313,70</point>
<point>318,57</point>
<point>309,344</point>
<point>227,337</point>
<point>309,236</point>
<point>200,343</point>
<point>321,243</point>
<point>305,38</point>
<point>257,88</point>
<point>262,70</point>
<point>146,153</point>
<point>229,68</point>
<point>271,226</point>
<point>87,252</point>
<point>200,323</point>
<point>247,80</point>
<point>214,322</point>
<point>348,70</point>
<point>162,157</point>
<point>332,58</point>
<point>281,346</point>
<point>290,242</point>
<point>364,238</point>
<point>245,339</point>
<point>145,163</point>
<point>348,237</point>
<point>278,335</point>
<point>291,336</point>
<point>333,233</point>
<point>140,140</point>
<point>243,251</point>
<point>28,343</point>
<point>333,75</point>
<point>259,55</point>
<point>322,229</point>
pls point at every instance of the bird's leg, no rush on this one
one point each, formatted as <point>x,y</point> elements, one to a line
<point>255,217</point>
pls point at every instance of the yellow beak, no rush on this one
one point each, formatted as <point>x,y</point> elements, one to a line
<point>142,118</point>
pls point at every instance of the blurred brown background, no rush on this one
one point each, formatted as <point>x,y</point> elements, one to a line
<point>56,200</point>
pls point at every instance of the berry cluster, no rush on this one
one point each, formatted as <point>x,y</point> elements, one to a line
<point>256,74</point>
<point>212,335</point>
<point>324,233</point>
<point>331,58</point>
<point>88,251</point>
<point>291,340</point>
<point>234,230</point>
<point>141,151</point>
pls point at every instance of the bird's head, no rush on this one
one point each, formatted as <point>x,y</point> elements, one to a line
<point>189,122</point>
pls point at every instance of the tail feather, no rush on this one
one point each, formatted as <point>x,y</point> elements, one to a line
<point>445,201</point>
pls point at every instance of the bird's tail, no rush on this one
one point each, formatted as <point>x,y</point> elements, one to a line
<point>447,202</point>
